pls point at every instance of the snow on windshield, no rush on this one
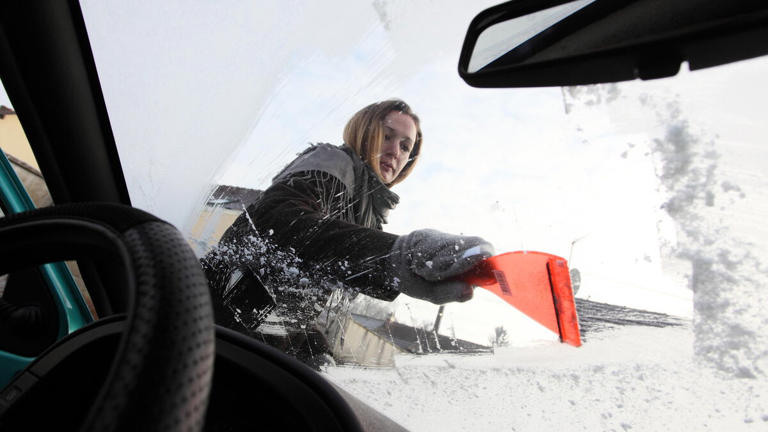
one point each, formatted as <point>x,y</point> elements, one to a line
<point>654,191</point>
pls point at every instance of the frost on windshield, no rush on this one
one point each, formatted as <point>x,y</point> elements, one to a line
<point>652,190</point>
<point>701,164</point>
<point>713,192</point>
<point>727,273</point>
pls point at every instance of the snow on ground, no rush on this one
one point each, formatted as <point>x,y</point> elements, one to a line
<point>630,378</point>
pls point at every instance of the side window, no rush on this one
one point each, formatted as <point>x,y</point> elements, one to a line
<point>33,301</point>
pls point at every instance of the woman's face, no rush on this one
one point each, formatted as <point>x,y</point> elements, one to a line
<point>399,139</point>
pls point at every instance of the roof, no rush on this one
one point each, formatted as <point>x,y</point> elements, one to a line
<point>23,165</point>
<point>233,197</point>
<point>416,340</point>
<point>596,317</point>
<point>4,110</point>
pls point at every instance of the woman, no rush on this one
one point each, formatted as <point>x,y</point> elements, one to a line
<point>318,228</point>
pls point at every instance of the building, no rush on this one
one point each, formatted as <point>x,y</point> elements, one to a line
<point>14,143</point>
<point>224,205</point>
<point>368,341</point>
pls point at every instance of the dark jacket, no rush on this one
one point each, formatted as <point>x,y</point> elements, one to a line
<point>315,229</point>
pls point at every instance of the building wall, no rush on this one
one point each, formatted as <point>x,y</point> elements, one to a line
<point>32,180</point>
<point>13,140</point>
<point>210,226</point>
<point>14,143</point>
<point>362,347</point>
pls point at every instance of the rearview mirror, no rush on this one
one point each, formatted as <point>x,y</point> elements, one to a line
<point>535,43</point>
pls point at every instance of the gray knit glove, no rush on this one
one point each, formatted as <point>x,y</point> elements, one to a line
<point>425,262</point>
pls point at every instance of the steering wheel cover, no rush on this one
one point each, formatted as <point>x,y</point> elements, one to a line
<point>160,377</point>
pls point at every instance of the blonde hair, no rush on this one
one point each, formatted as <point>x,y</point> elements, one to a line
<point>364,133</point>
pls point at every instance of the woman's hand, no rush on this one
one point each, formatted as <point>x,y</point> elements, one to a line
<point>424,264</point>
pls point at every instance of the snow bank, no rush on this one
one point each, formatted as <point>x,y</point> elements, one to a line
<point>634,378</point>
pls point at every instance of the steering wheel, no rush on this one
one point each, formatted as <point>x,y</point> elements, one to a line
<point>150,366</point>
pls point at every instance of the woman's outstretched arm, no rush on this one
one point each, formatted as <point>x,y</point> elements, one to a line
<point>309,212</point>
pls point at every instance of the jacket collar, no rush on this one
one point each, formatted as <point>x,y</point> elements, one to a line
<point>382,198</point>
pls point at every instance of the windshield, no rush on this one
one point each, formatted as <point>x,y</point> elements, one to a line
<point>653,191</point>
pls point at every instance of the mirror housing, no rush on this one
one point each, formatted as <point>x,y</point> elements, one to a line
<point>535,43</point>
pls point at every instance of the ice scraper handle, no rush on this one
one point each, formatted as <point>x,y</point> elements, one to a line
<point>484,250</point>
<point>481,275</point>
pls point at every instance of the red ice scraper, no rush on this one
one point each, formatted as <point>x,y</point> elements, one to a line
<point>537,284</point>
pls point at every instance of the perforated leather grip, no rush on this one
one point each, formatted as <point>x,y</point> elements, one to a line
<point>161,375</point>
